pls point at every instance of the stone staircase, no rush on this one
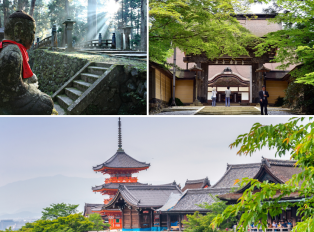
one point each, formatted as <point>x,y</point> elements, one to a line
<point>82,89</point>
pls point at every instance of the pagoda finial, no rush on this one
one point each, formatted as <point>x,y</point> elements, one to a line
<point>119,136</point>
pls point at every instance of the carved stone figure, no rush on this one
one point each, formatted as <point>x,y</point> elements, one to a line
<point>19,93</point>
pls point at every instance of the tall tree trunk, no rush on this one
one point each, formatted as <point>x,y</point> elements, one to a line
<point>144,25</point>
<point>0,22</point>
<point>67,15</point>
<point>31,10</point>
<point>5,9</point>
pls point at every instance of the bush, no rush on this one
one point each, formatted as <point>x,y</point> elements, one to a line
<point>178,102</point>
<point>279,101</point>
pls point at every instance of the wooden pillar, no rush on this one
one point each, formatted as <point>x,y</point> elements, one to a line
<point>151,218</point>
<point>257,81</point>
<point>131,226</point>
<point>294,216</point>
<point>180,224</point>
<point>168,222</point>
<point>122,218</point>
<point>204,66</point>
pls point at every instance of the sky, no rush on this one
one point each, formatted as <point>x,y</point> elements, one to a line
<point>178,148</point>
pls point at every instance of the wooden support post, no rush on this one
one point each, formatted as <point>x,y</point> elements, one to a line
<point>180,224</point>
<point>168,222</point>
<point>131,226</point>
<point>151,218</point>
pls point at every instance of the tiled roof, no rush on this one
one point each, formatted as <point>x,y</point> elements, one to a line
<point>146,195</point>
<point>237,171</point>
<point>193,197</point>
<point>89,207</point>
<point>122,160</point>
<point>195,184</point>
<point>114,185</point>
<point>281,169</point>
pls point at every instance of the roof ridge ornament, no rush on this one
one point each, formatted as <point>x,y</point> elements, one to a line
<point>119,137</point>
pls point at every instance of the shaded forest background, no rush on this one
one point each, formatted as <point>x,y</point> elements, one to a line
<point>50,12</point>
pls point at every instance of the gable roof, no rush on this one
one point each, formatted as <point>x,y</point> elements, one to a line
<point>191,198</point>
<point>114,185</point>
<point>121,160</point>
<point>89,207</point>
<point>145,195</point>
<point>237,171</point>
<point>196,184</point>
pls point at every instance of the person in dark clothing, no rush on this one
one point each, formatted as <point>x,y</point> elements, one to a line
<point>263,95</point>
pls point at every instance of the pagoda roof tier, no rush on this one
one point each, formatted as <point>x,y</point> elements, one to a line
<point>113,186</point>
<point>121,160</point>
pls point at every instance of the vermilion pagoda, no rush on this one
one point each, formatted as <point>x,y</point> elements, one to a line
<point>120,167</point>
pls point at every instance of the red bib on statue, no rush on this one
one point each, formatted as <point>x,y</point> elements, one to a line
<point>27,72</point>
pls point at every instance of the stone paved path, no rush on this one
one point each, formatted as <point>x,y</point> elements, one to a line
<point>181,110</point>
<point>232,110</point>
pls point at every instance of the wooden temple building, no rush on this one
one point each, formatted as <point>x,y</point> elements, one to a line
<point>133,206</point>
<point>242,74</point>
<point>120,168</point>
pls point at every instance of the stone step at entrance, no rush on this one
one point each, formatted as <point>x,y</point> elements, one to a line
<point>80,90</point>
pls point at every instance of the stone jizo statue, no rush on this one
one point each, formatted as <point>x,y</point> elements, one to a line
<point>19,93</point>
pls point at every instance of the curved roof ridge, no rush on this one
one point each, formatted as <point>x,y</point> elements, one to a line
<point>279,162</point>
<point>236,74</point>
<point>249,165</point>
<point>128,195</point>
<point>196,181</point>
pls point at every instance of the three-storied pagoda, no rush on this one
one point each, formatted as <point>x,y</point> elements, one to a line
<point>120,167</point>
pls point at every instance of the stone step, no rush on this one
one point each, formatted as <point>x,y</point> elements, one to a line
<point>104,65</point>
<point>59,109</point>
<point>73,93</point>
<point>64,101</point>
<point>81,85</point>
<point>97,70</point>
<point>88,77</point>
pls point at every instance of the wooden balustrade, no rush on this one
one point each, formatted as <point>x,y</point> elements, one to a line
<point>46,42</point>
<point>121,179</point>
<point>94,44</point>
<point>270,230</point>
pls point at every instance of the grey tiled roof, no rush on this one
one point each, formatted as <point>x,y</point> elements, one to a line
<point>114,185</point>
<point>147,195</point>
<point>276,162</point>
<point>195,184</point>
<point>193,197</point>
<point>122,160</point>
<point>237,171</point>
<point>89,207</point>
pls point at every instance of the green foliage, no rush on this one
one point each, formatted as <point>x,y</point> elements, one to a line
<point>58,210</point>
<point>201,223</point>
<point>177,100</point>
<point>198,26</point>
<point>300,97</point>
<point>294,42</point>
<point>98,222</point>
<point>70,223</point>
<point>279,101</point>
<point>293,139</point>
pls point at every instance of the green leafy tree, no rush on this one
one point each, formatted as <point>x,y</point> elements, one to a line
<point>98,222</point>
<point>295,42</point>
<point>58,210</point>
<point>198,26</point>
<point>201,223</point>
<point>294,139</point>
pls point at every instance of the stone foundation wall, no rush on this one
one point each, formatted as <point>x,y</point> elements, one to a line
<point>125,93</point>
<point>54,69</point>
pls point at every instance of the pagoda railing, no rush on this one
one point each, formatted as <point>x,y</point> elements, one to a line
<point>121,180</point>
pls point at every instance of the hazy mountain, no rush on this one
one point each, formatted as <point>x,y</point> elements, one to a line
<point>28,198</point>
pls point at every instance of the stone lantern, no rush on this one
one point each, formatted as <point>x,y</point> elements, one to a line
<point>68,30</point>
<point>127,32</point>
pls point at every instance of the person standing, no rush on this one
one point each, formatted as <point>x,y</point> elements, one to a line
<point>227,98</point>
<point>214,94</point>
<point>263,95</point>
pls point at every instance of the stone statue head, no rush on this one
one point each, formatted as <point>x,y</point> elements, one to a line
<point>20,27</point>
